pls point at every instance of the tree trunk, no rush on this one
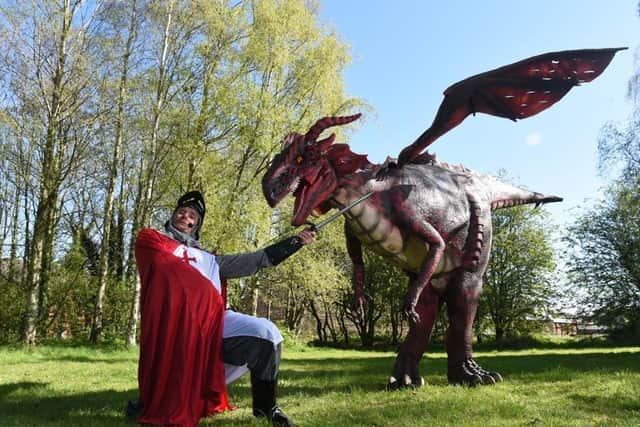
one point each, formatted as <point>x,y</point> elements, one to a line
<point>13,250</point>
<point>319,329</point>
<point>255,298</point>
<point>343,324</point>
<point>41,249</point>
<point>161,98</point>
<point>149,165</point>
<point>4,208</point>
<point>329,322</point>
<point>134,314</point>
<point>131,275</point>
<point>103,270</point>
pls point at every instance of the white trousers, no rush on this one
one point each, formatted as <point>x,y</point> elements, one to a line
<point>242,325</point>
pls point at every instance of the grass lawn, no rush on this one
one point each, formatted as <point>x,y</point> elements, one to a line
<point>85,386</point>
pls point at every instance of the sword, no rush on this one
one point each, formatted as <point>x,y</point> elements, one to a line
<point>324,222</point>
<point>292,244</point>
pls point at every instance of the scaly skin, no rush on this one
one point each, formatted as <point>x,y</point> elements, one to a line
<point>430,219</point>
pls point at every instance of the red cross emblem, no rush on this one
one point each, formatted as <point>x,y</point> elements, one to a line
<point>185,256</point>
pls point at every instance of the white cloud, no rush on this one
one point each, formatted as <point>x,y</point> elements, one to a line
<point>534,139</point>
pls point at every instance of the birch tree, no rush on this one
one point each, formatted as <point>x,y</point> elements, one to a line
<point>49,61</point>
<point>113,168</point>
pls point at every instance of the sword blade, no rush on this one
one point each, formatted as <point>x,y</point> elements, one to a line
<point>356,202</point>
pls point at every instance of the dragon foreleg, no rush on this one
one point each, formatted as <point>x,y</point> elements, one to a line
<point>436,245</point>
<point>354,249</point>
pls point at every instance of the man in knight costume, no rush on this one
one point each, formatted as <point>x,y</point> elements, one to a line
<point>191,346</point>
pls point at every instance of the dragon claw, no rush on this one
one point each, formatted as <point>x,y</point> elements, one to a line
<point>471,374</point>
<point>409,310</point>
<point>488,377</point>
<point>406,373</point>
<point>407,382</point>
<point>413,317</point>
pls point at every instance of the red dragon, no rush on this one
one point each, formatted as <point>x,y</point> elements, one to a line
<point>431,219</point>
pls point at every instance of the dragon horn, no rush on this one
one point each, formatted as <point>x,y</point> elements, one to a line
<point>328,140</point>
<point>325,122</point>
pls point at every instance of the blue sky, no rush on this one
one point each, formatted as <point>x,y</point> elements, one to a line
<point>405,53</point>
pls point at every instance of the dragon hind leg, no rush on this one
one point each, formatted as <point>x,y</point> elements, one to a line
<point>406,371</point>
<point>462,302</point>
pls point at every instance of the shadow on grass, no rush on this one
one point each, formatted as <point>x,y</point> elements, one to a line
<point>104,408</point>
<point>25,404</point>
<point>371,373</point>
<point>92,359</point>
<point>7,389</point>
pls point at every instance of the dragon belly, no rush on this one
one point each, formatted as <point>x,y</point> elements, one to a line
<point>387,240</point>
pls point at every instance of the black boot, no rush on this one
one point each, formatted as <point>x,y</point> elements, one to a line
<point>264,402</point>
<point>134,408</point>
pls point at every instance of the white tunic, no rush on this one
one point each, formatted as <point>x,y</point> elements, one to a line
<point>235,324</point>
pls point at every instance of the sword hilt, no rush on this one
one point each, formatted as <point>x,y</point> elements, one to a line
<point>312,226</point>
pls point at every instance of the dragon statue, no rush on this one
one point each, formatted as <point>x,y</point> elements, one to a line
<point>431,219</point>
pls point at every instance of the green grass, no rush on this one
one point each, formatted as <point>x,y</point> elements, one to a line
<point>84,386</point>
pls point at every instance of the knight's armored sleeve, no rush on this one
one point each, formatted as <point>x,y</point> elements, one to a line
<point>242,265</point>
<point>282,250</point>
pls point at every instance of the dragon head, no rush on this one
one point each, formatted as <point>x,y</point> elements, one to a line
<point>305,168</point>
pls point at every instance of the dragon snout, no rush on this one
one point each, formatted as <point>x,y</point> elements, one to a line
<point>277,187</point>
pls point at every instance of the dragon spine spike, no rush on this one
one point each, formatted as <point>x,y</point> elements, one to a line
<point>326,122</point>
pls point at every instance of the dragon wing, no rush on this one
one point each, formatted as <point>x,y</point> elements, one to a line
<point>515,91</point>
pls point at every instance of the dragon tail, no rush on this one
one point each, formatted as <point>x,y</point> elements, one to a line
<point>503,195</point>
<point>537,198</point>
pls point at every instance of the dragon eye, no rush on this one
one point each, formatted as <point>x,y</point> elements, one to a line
<point>299,159</point>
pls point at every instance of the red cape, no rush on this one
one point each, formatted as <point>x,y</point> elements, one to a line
<point>180,371</point>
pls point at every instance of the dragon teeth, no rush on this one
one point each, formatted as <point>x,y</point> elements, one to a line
<point>294,185</point>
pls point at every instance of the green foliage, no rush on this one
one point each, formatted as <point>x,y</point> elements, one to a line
<point>385,288</point>
<point>518,283</point>
<point>316,273</point>
<point>117,310</point>
<point>71,305</point>
<point>13,297</point>
<point>207,100</point>
<point>605,259</point>
<point>72,294</point>
<point>603,242</point>
<point>258,71</point>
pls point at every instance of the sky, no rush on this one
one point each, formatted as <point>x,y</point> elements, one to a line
<point>405,53</point>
